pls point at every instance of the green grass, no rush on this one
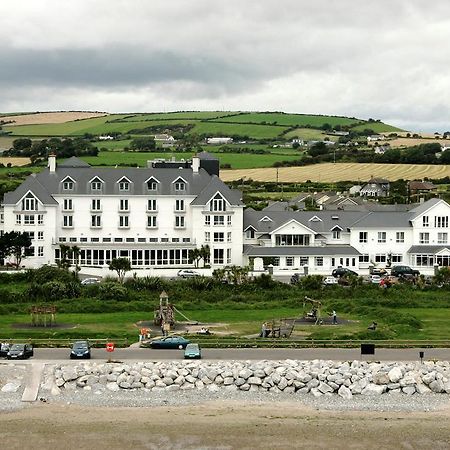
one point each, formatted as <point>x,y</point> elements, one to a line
<point>113,145</point>
<point>377,127</point>
<point>436,322</point>
<point>309,134</point>
<point>198,115</point>
<point>237,161</point>
<point>291,120</point>
<point>231,129</point>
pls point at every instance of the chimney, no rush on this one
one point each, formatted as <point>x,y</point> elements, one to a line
<point>52,162</point>
<point>195,164</point>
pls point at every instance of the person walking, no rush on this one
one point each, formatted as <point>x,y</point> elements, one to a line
<point>333,314</point>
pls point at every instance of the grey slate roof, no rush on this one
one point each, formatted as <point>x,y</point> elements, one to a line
<point>429,249</point>
<point>384,219</point>
<point>327,250</point>
<point>279,218</point>
<point>423,207</point>
<point>45,184</point>
<point>74,162</point>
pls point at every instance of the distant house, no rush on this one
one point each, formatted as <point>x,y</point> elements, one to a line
<point>355,189</point>
<point>375,187</point>
<point>164,139</point>
<point>421,187</point>
<point>219,140</point>
<point>105,138</point>
<point>297,141</point>
<point>382,149</point>
<point>375,138</point>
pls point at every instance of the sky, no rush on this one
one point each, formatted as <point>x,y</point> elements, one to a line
<point>381,59</point>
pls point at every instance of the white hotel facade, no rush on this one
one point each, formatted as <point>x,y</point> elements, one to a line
<point>154,216</point>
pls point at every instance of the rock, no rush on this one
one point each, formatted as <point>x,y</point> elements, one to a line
<point>289,390</point>
<point>199,385</point>
<point>55,390</point>
<point>254,380</point>
<point>239,382</point>
<point>87,388</point>
<point>316,392</point>
<point>380,378</point>
<point>373,389</point>
<point>409,390</point>
<point>345,392</point>
<point>245,374</point>
<point>11,387</point>
<point>228,381</point>
<point>324,388</point>
<point>173,387</point>
<point>69,374</point>
<point>395,375</point>
<point>125,385</point>
<point>392,386</point>
<point>59,382</point>
<point>244,387</point>
<point>429,377</point>
<point>422,389</point>
<point>213,388</point>
<point>313,383</point>
<point>167,381</point>
<point>303,390</point>
<point>282,384</point>
<point>437,386</point>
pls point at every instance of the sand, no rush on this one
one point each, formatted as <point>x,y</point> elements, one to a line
<point>221,425</point>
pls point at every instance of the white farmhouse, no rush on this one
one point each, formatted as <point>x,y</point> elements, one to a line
<point>219,140</point>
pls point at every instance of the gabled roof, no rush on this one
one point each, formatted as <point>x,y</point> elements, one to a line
<point>214,186</point>
<point>428,249</point>
<point>32,184</point>
<point>384,219</point>
<point>73,162</point>
<point>424,207</point>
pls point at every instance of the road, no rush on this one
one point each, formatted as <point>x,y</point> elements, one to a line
<point>59,354</point>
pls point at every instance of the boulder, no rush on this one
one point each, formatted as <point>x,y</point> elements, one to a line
<point>324,388</point>
<point>255,381</point>
<point>345,392</point>
<point>429,377</point>
<point>395,374</point>
<point>381,378</point>
<point>437,386</point>
<point>112,386</point>
<point>373,389</point>
<point>409,390</point>
<point>10,387</point>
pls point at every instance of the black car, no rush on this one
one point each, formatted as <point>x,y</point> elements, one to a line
<point>20,351</point>
<point>170,342</point>
<point>404,271</point>
<point>80,349</point>
<point>343,272</point>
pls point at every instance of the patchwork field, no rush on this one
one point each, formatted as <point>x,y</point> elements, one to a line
<point>409,142</point>
<point>330,172</point>
<point>14,161</point>
<point>50,117</point>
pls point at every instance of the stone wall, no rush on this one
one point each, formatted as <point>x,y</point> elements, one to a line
<point>290,376</point>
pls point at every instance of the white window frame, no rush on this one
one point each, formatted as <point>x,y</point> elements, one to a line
<point>382,236</point>
<point>152,222</point>
<point>424,238</point>
<point>180,222</point>
<point>442,237</point>
<point>124,221</point>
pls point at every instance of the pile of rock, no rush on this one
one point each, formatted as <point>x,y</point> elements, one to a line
<point>303,377</point>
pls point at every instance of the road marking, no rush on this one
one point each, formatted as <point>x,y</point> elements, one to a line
<point>31,390</point>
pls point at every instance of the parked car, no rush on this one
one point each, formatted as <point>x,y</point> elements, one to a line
<point>4,348</point>
<point>192,351</point>
<point>88,281</point>
<point>80,349</point>
<point>20,351</point>
<point>187,273</point>
<point>404,271</point>
<point>375,279</point>
<point>170,342</point>
<point>330,280</point>
<point>378,271</point>
<point>343,272</point>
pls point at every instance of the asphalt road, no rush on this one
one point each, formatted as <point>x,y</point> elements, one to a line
<point>58,354</point>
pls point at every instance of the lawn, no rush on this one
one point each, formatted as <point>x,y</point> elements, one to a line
<point>235,129</point>
<point>291,120</point>
<point>309,134</point>
<point>377,127</point>
<point>436,322</point>
<point>198,115</point>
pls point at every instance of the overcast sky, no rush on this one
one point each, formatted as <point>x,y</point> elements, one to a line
<point>386,59</point>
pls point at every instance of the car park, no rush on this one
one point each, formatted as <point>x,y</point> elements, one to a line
<point>89,281</point>
<point>404,271</point>
<point>20,351</point>
<point>169,342</point>
<point>343,272</point>
<point>330,280</point>
<point>80,350</point>
<point>192,351</point>
<point>187,273</point>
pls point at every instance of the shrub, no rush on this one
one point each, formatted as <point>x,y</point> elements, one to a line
<point>50,273</point>
<point>112,291</point>
<point>311,282</point>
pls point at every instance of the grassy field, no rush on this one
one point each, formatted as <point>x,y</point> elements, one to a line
<point>330,172</point>
<point>237,161</point>
<point>231,129</point>
<point>199,115</point>
<point>308,134</point>
<point>377,127</point>
<point>291,120</point>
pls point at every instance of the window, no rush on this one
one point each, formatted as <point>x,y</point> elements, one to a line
<point>151,221</point>
<point>380,258</point>
<point>276,261</point>
<point>442,238</point>
<point>67,221</point>
<point>304,260</point>
<point>179,205</point>
<point>207,236</point>
<point>40,251</point>
<point>96,184</point>
<point>396,258</point>
<point>217,204</point>
<point>400,237</point>
<point>363,237</point>
<point>141,239</point>
<point>336,234</point>
<point>364,258</point>
<point>219,220</point>
<point>250,233</point>
<point>96,204</point>
<point>96,221</point>
<point>207,220</point>
<point>124,186</point>
<point>40,219</point>
<point>29,203</point>
<point>40,235</point>
<point>62,239</point>
<point>179,222</point>
<point>229,236</point>
<point>441,221</point>
<point>318,261</point>
<point>425,221</point>
<point>219,237</point>
<point>124,222</point>
<point>292,239</point>
<point>18,219</point>
<point>152,185</point>
<point>289,261</point>
<point>28,219</point>
<point>30,235</point>
<point>180,186</point>
<point>30,251</point>
<point>68,185</point>
<point>424,238</point>
<point>228,255</point>
<point>229,220</point>
<point>151,205</point>
<point>68,204</point>
<point>2,218</point>
<point>106,240</point>
<point>123,204</point>
<point>382,237</point>
<point>95,239</point>
<point>218,255</point>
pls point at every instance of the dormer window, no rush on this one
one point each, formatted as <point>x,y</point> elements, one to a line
<point>68,184</point>
<point>217,203</point>
<point>180,185</point>
<point>152,184</point>
<point>265,219</point>
<point>29,203</point>
<point>124,185</point>
<point>96,184</point>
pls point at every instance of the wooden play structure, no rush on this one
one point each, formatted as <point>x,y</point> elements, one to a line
<point>315,313</point>
<point>280,328</point>
<point>43,316</point>
<point>164,314</point>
